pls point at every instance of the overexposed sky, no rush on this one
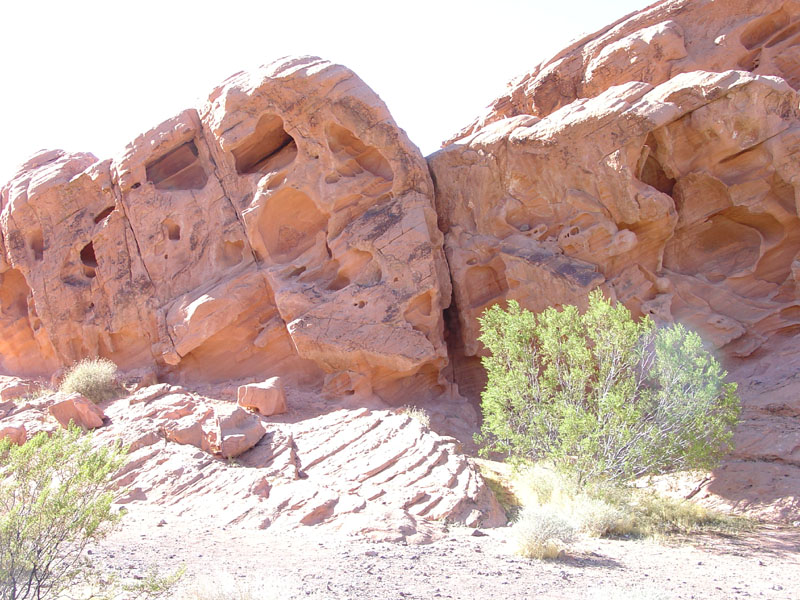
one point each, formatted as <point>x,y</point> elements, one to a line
<point>89,75</point>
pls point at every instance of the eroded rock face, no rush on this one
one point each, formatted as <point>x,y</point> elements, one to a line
<point>656,159</point>
<point>678,200</point>
<point>286,228</point>
<point>652,46</point>
<point>379,473</point>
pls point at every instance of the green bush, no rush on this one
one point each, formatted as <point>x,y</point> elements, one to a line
<point>94,378</point>
<point>601,395</point>
<point>54,498</point>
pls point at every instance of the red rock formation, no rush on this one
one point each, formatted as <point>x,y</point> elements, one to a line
<point>658,160</point>
<point>655,44</point>
<point>376,473</point>
<point>287,228</point>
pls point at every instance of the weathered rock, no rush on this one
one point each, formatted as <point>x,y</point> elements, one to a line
<point>14,387</point>
<point>236,432</point>
<point>290,222</point>
<point>74,408</point>
<point>622,191</point>
<point>16,433</point>
<point>266,398</point>
<point>637,161</point>
<point>654,45</point>
<point>378,474</point>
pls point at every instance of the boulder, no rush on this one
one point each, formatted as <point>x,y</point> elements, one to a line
<point>74,408</point>
<point>266,398</point>
<point>236,432</point>
<point>16,433</point>
<point>288,222</point>
<point>12,388</point>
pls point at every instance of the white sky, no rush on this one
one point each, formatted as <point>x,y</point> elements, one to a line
<point>89,75</point>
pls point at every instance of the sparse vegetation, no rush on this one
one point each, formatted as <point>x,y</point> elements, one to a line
<point>582,404</point>
<point>53,501</point>
<point>541,532</point>
<point>95,378</point>
<point>222,586</point>
<point>599,511</point>
<point>601,395</point>
<point>418,414</point>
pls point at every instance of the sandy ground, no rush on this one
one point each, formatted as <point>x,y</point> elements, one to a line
<point>309,564</point>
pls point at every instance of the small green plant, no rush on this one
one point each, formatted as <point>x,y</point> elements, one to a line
<point>601,395</point>
<point>54,499</point>
<point>94,378</point>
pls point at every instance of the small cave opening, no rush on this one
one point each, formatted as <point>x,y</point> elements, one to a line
<point>289,225</point>
<point>88,257</point>
<point>89,260</point>
<point>268,148</point>
<point>652,172</point>
<point>171,229</point>
<point>36,244</point>
<point>178,169</point>
<point>344,141</point>
<point>104,213</point>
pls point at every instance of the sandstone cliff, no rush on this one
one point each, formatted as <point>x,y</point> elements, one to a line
<point>657,159</point>
<point>290,228</point>
<point>285,228</point>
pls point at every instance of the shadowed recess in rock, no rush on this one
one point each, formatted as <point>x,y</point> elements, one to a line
<point>268,148</point>
<point>178,169</point>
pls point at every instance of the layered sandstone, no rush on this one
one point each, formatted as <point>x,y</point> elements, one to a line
<point>287,228</point>
<point>656,159</point>
<point>375,473</point>
<point>290,229</point>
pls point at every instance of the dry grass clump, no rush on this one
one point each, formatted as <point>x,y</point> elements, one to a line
<point>418,414</point>
<point>550,505</point>
<point>541,533</point>
<point>655,516</point>
<point>95,378</point>
<point>542,485</point>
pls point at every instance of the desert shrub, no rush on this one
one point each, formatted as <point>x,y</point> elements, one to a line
<point>653,515</point>
<point>599,518</point>
<point>603,509</point>
<point>602,395</point>
<point>540,532</point>
<point>544,486</point>
<point>418,414</point>
<point>95,378</point>
<point>54,499</point>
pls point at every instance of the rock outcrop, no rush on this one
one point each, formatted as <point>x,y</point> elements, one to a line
<point>379,474</point>
<point>266,398</point>
<point>658,160</point>
<point>290,229</point>
<point>286,228</point>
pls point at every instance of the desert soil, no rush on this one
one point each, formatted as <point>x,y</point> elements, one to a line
<point>309,564</point>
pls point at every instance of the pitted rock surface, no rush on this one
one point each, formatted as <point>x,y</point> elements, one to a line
<point>288,226</point>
